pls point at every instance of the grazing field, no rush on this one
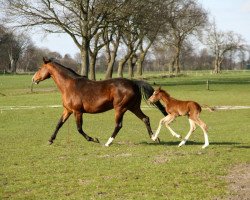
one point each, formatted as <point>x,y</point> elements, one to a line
<point>134,167</point>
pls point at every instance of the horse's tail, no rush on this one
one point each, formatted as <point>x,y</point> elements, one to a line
<point>147,90</point>
<point>211,109</point>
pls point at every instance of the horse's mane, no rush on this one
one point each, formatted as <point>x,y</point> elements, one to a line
<point>69,71</point>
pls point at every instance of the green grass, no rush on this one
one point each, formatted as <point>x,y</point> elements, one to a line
<point>133,167</point>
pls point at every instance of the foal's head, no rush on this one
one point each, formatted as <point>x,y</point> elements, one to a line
<point>42,73</point>
<point>157,95</point>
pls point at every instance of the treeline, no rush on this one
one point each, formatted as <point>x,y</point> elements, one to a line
<point>117,36</point>
<point>18,54</point>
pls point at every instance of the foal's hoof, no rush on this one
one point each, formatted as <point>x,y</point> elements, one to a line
<point>50,142</point>
<point>204,146</point>
<point>181,143</point>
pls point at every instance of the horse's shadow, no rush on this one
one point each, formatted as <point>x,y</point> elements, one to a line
<point>176,143</point>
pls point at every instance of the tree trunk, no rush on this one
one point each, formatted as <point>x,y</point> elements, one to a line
<point>217,65</point>
<point>139,67</point>
<point>110,67</point>
<point>112,56</point>
<point>139,63</point>
<point>177,61</point>
<point>171,66</point>
<point>85,59</point>
<point>131,66</point>
<point>13,65</point>
<point>120,67</point>
<point>92,67</point>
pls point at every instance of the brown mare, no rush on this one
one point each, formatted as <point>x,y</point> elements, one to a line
<point>81,95</point>
<point>176,108</point>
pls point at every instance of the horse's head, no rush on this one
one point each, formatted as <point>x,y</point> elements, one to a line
<point>156,96</point>
<point>42,73</point>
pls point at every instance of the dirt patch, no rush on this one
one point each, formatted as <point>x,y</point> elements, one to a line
<point>161,159</point>
<point>239,182</point>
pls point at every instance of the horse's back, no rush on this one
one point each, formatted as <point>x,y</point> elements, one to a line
<point>100,96</point>
<point>183,107</point>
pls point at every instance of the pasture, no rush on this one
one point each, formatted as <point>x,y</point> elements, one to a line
<point>134,167</point>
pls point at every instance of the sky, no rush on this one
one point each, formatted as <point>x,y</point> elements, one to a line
<point>229,15</point>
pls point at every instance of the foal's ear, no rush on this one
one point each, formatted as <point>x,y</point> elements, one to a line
<point>159,88</point>
<point>46,60</point>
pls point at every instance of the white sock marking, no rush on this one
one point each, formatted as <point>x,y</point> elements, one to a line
<point>110,140</point>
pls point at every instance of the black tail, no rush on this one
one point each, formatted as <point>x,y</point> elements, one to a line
<point>147,90</point>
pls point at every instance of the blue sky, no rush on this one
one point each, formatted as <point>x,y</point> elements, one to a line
<point>229,15</point>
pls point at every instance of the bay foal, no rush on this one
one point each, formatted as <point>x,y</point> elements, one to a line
<point>176,108</point>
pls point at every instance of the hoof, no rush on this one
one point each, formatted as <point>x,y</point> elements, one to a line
<point>90,139</point>
<point>96,140</point>
<point>158,140</point>
<point>182,143</point>
<point>204,146</point>
<point>50,142</point>
<point>153,138</point>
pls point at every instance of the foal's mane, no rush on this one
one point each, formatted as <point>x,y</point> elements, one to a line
<point>68,71</point>
<point>164,92</point>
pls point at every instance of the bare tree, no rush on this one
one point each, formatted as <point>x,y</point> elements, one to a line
<point>12,46</point>
<point>111,36</point>
<point>80,19</point>
<point>221,43</point>
<point>185,17</point>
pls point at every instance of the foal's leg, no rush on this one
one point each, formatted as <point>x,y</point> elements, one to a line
<point>166,120</point>
<point>204,128</point>
<point>63,119</point>
<point>172,131</point>
<point>118,125</point>
<point>78,117</point>
<point>192,129</point>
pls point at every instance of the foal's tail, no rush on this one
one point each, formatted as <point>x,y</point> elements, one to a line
<point>147,90</point>
<point>211,109</point>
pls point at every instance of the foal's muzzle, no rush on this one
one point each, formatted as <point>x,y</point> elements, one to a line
<point>35,81</point>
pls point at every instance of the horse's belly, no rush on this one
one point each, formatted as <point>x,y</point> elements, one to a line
<point>98,108</point>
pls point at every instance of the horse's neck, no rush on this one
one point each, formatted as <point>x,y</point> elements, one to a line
<point>60,77</point>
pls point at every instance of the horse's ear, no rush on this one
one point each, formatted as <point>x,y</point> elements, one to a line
<point>46,60</point>
<point>159,88</point>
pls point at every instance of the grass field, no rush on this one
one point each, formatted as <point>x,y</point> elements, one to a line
<point>134,167</point>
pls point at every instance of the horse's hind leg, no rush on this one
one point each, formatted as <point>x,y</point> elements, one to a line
<point>146,121</point>
<point>204,129</point>
<point>78,117</point>
<point>192,129</point>
<point>62,120</point>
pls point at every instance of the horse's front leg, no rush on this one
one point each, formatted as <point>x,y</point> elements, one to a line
<point>78,117</point>
<point>155,136</point>
<point>62,120</point>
